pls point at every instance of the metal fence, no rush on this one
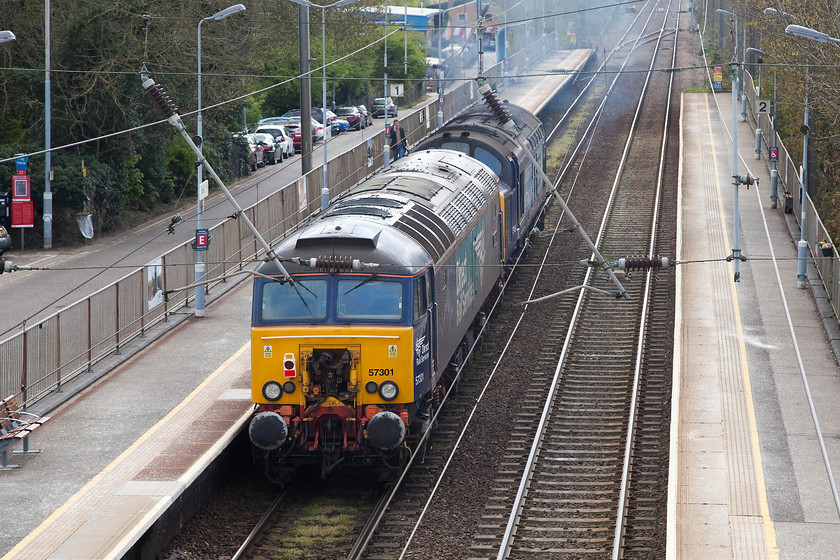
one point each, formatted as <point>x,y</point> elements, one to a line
<point>792,197</point>
<point>70,342</point>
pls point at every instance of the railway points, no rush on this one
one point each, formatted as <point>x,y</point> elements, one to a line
<point>111,468</point>
<point>747,477</point>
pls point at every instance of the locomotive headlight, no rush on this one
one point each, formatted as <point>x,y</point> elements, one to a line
<point>389,390</point>
<point>272,391</point>
<point>371,387</point>
<point>289,387</point>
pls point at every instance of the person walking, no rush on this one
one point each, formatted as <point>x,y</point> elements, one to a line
<point>397,141</point>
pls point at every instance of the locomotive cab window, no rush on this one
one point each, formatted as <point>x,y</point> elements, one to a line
<point>369,299</point>
<point>420,304</point>
<point>307,300</point>
<point>489,159</point>
<point>462,147</point>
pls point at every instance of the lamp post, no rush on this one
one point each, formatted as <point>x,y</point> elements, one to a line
<point>199,264</point>
<point>386,154</point>
<point>736,179</point>
<point>325,189</point>
<point>440,67</point>
<point>774,173</point>
<point>47,131</point>
<point>818,36</point>
<point>735,55</point>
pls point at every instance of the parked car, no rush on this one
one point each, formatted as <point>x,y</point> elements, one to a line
<point>342,124</point>
<point>381,105</point>
<point>353,116</point>
<point>270,147</point>
<point>255,154</point>
<point>294,129</point>
<point>335,128</point>
<point>281,135</point>
<point>285,139</point>
<point>5,240</point>
<point>317,116</point>
<point>272,120</point>
<point>366,114</point>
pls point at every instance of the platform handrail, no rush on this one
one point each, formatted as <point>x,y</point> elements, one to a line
<point>791,183</point>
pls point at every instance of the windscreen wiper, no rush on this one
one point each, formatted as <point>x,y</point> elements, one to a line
<point>370,278</point>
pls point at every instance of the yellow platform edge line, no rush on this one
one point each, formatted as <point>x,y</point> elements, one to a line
<point>761,487</point>
<point>676,376</point>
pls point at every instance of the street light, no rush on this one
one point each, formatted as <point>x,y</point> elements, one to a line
<point>774,173</point>
<point>818,36</point>
<point>325,189</point>
<point>736,179</point>
<point>808,33</point>
<point>7,36</point>
<point>199,264</point>
<point>775,12</point>
<point>735,19</point>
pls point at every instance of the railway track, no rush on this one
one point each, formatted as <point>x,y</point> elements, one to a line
<point>577,493</point>
<point>575,488</point>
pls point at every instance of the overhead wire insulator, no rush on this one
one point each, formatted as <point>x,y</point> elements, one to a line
<point>491,98</point>
<point>337,263</point>
<point>643,263</point>
<point>159,96</point>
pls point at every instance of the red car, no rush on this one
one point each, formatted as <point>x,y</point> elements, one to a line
<point>293,128</point>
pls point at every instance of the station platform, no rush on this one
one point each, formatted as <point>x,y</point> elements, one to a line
<point>747,475</point>
<point>537,86</point>
<point>126,441</point>
<point>117,455</point>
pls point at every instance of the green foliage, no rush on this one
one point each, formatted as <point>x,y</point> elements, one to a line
<point>97,51</point>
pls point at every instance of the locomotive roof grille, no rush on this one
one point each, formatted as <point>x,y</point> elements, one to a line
<point>433,222</point>
<point>372,201</point>
<point>422,235</point>
<point>463,207</point>
<point>422,188</point>
<point>338,235</point>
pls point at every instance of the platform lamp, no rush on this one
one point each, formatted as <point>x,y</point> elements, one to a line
<point>325,190</point>
<point>736,179</point>
<point>818,36</point>
<point>735,54</point>
<point>774,173</point>
<point>199,264</point>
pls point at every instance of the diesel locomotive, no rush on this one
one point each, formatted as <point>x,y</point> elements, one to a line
<point>349,360</point>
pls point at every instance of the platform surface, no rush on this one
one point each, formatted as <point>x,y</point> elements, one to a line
<point>748,479</point>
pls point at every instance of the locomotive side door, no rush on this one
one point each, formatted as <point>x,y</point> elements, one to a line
<point>422,323</point>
